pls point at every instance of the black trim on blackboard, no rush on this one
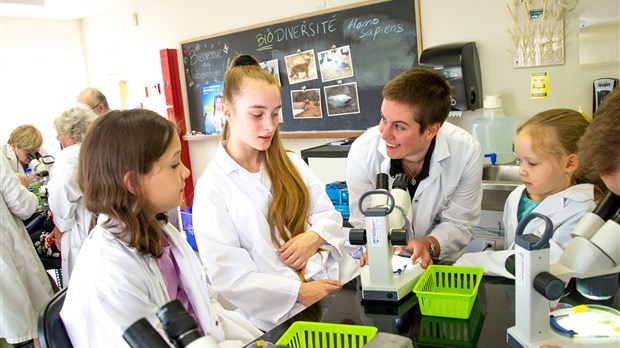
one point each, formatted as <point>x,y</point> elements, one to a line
<point>382,39</point>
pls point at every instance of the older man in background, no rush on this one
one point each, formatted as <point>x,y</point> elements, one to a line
<point>95,100</point>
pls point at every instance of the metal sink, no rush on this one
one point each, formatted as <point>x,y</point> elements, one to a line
<point>497,183</point>
<point>502,172</point>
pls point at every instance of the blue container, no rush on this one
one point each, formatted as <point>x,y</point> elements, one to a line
<point>188,227</point>
<point>338,193</point>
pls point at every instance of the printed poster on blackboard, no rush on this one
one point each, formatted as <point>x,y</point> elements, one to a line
<point>361,47</point>
<point>212,106</point>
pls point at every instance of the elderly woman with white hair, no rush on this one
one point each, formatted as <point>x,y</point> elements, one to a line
<point>71,218</point>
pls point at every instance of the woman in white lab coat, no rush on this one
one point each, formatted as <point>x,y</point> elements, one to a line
<point>271,240</point>
<point>552,185</point>
<point>443,164</point>
<point>25,286</point>
<point>24,142</point>
<point>446,204</point>
<point>134,261</point>
<point>72,219</point>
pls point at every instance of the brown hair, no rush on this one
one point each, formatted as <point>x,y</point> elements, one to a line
<point>124,142</point>
<point>425,91</point>
<point>26,137</point>
<point>556,132</point>
<point>599,148</point>
<point>289,207</point>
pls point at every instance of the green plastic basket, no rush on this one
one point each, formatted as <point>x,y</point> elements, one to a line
<point>305,334</point>
<point>448,291</point>
<point>450,332</point>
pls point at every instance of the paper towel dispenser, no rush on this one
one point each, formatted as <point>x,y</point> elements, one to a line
<point>459,64</point>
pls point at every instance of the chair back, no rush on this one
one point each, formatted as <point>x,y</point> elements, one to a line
<point>52,333</point>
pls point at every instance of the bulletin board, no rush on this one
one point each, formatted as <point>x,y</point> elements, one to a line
<point>331,65</point>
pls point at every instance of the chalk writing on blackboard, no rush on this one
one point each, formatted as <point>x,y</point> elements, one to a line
<point>360,47</point>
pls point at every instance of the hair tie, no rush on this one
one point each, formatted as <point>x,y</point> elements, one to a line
<point>245,60</point>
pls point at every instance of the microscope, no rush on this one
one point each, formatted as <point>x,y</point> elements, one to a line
<point>386,227</point>
<point>180,328</point>
<point>592,258</point>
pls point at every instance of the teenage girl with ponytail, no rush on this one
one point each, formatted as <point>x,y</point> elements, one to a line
<point>266,230</point>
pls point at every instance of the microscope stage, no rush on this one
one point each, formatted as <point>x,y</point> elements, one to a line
<point>404,279</point>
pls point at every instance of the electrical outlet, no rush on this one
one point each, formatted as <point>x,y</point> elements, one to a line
<point>489,244</point>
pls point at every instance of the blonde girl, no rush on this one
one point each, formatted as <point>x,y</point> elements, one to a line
<point>553,184</point>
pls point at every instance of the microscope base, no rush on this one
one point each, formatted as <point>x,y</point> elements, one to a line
<point>516,340</point>
<point>401,285</point>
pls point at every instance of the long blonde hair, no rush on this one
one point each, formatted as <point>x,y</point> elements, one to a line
<point>288,211</point>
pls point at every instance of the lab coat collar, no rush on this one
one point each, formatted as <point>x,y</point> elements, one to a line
<point>559,200</point>
<point>229,166</point>
<point>440,153</point>
<point>226,162</point>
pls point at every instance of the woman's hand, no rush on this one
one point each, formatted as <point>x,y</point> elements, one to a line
<point>22,180</point>
<point>314,291</point>
<point>55,237</point>
<point>420,250</point>
<point>297,251</point>
<point>364,258</point>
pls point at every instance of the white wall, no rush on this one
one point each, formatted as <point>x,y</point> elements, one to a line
<point>118,49</point>
<point>42,69</point>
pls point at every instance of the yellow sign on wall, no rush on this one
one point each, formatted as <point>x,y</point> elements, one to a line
<point>539,85</point>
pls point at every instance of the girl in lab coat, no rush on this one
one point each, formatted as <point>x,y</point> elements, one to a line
<point>25,287</point>
<point>553,185</point>
<point>72,219</point>
<point>272,241</point>
<point>134,261</point>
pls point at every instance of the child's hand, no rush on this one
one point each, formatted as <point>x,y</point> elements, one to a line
<point>297,251</point>
<point>314,291</point>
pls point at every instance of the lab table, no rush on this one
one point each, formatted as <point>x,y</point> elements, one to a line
<point>492,314</point>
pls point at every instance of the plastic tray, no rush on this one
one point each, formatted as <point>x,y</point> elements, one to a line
<point>305,334</point>
<point>448,291</point>
<point>450,332</point>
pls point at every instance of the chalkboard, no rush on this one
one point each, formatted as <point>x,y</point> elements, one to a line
<point>331,65</point>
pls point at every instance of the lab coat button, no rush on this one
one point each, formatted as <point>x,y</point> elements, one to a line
<point>217,323</point>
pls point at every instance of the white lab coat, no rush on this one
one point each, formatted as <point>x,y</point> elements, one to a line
<point>113,286</point>
<point>25,286</point>
<point>232,233</point>
<point>11,159</point>
<point>15,164</point>
<point>67,203</point>
<point>446,204</point>
<point>564,208</point>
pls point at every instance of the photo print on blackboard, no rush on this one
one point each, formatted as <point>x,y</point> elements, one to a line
<point>336,63</point>
<point>306,103</point>
<point>342,99</point>
<point>212,107</point>
<point>272,67</point>
<point>301,67</point>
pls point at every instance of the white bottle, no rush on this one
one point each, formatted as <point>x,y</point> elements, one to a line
<point>495,131</point>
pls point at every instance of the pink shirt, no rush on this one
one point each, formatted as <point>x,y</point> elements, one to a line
<point>170,272</point>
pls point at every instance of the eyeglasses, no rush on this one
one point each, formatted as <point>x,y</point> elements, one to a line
<point>94,107</point>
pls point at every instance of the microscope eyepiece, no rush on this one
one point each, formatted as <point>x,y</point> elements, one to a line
<point>382,181</point>
<point>400,182</point>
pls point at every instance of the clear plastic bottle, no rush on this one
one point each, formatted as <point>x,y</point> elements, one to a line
<point>33,183</point>
<point>495,131</point>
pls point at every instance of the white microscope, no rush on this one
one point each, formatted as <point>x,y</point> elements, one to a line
<point>592,257</point>
<point>386,227</point>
